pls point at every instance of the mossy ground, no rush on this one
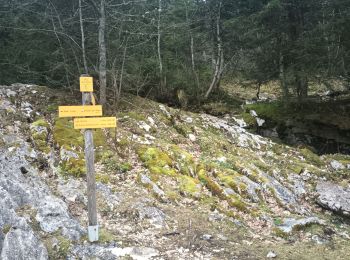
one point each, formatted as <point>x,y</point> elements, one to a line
<point>70,139</point>
<point>208,169</point>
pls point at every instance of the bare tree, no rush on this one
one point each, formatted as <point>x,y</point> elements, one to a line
<point>219,59</point>
<point>82,38</point>
<point>162,78</point>
<point>194,71</point>
<point>102,53</point>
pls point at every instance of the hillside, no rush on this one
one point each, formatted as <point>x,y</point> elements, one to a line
<point>171,185</point>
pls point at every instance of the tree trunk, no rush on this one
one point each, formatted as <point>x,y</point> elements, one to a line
<point>258,90</point>
<point>302,86</point>
<point>82,38</point>
<point>219,58</point>
<point>162,80</point>
<point>193,63</point>
<point>282,78</point>
<point>102,53</point>
<point>121,74</point>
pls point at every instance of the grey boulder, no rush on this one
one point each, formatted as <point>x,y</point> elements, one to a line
<point>333,197</point>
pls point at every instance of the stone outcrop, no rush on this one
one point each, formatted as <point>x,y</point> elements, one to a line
<point>333,197</point>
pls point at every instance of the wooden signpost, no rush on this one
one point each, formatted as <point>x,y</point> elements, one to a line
<point>89,122</point>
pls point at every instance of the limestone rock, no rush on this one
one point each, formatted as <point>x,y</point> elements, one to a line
<point>136,253</point>
<point>253,113</point>
<point>72,190</point>
<point>240,122</point>
<point>144,126</point>
<point>271,254</point>
<point>92,252</point>
<point>289,224</point>
<point>260,121</point>
<point>18,190</point>
<point>53,215</point>
<point>2,237</point>
<point>111,198</point>
<point>192,137</point>
<point>21,243</point>
<point>337,165</point>
<point>333,197</point>
<point>146,181</point>
<point>153,214</point>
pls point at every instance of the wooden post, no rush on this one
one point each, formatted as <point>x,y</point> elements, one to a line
<point>90,175</point>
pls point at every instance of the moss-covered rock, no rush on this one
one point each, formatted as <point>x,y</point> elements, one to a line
<point>156,160</point>
<point>72,163</point>
<point>58,247</point>
<point>190,186</point>
<point>183,161</point>
<point>71,144</point>
<point>40,135</point>
<point>66,136</point>
<point>311,157</point>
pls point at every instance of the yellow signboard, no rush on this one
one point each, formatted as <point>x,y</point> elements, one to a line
<point>95,122</point>
<point>86,84</point>
<point>77,111</point>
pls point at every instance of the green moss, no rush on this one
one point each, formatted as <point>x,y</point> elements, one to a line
<point>124,142</point>
<point>278,149</point>
<point>213,186</point>
<point>52,108</point>
<point>261,165</point>
<point>183,129</point>
<point>278,221</point>
<point>217,108</point>
<point>279,233</point>
<point>106,237</point>
<point>133,115</point>
<point>59,250</point>
<point>74,167</point>
<point>41,122</point>
<point>295,167</point>
<point>6,229</point>
<point>189,186</point>
<point>125,167</point>
<point>252,174</point>
<point>232,182</point>
<point>311,157</point>
<point>184,161</point>
<point>237,203</point>
<point>66,136</point>
<point>249,119</point>
<point>40,139</point>
<point>157,161</point>
<point>103,178</point>
<point>274,111</point>
<point>172,195</point>
<point>109,160</point>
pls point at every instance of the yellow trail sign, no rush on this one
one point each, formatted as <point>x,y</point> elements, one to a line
<point>86,84</point>
<point>95,122</point>
<point>77,111</point>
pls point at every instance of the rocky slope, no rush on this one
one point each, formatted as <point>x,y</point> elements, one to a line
<point>171,185</point>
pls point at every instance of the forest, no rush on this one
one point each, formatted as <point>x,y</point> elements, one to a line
<point>156,48</point>
<point>174,129</point>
